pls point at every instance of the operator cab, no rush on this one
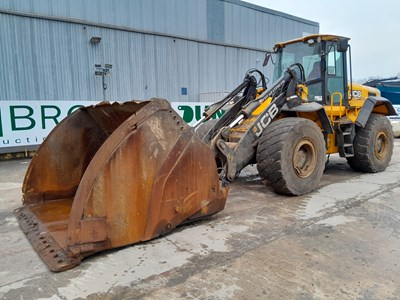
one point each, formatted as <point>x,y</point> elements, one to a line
<point>324,60</point>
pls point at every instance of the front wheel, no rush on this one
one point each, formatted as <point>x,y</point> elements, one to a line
<point>291,156</point>
<point>373,145</point>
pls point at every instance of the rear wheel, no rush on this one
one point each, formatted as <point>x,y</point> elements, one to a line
<point>373,145</point>
<point>291,156</point>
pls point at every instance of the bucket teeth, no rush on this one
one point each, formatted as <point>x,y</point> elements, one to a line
<point>55,257</point>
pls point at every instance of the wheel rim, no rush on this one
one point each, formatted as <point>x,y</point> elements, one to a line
<point>381,145</point>
<point>304,158</point>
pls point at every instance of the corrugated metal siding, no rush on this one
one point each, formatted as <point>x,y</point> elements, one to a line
<point>180,17</point>
<point>53,60</point>
<point>251,27</point>
<point>242,23</point>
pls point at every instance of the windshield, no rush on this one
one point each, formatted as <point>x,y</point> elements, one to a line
<point>307,55</point>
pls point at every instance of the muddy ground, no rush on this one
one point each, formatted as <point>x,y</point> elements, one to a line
<point>340,242</point>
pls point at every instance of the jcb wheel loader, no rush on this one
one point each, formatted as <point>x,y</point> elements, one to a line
<point>111,175</point>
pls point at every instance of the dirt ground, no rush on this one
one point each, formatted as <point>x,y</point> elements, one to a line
<point>340,242</point>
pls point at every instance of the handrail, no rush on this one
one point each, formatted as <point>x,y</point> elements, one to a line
<point>340,104</point>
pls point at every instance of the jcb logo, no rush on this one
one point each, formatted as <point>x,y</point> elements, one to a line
<point>265,120</point>
<point>357,94</point>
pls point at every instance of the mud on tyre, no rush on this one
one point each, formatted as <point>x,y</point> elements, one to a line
<point>373,145</point>
<point>291,156</point>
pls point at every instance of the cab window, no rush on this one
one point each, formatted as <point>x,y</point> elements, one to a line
<point>335,73</point>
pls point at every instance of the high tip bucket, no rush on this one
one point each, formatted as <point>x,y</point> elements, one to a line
<point>116,174</point>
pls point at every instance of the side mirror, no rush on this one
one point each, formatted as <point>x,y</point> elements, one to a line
<point>342,45</point>
<point>267,58</point>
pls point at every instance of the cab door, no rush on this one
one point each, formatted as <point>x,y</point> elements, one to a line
<point>336,79</point>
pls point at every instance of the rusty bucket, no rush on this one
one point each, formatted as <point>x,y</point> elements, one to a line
<point>116,174</point>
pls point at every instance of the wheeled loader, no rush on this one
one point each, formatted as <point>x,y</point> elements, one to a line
<point>116,174</point>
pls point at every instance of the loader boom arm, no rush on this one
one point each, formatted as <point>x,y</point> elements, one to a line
<point>234,156</point>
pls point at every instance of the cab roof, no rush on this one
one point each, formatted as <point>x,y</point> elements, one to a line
<point>322,37</point>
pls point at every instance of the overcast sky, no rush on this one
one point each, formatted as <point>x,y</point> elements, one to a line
<point>373,26</point>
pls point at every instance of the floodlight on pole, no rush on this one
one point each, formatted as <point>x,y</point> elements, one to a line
<point>103,72</point>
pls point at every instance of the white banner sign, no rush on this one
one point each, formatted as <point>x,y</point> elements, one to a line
<point>27,123</point>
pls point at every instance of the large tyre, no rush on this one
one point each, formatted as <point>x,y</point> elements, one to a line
<point>373,145</point>
<point>205,127</point>
<point>291,156</point>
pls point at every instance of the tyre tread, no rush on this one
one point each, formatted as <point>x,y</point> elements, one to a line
<point>270,153</point>
<point>363,160</point>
